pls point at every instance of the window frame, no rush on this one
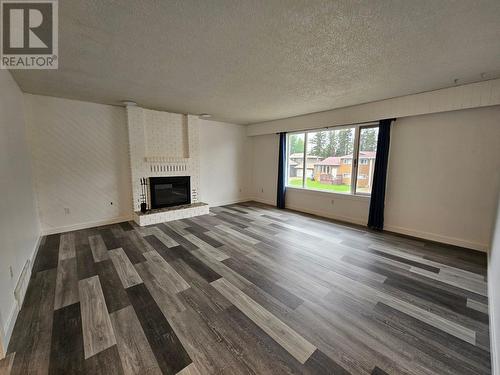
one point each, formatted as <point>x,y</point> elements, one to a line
<point>355,156</point>
<point>357,141</point>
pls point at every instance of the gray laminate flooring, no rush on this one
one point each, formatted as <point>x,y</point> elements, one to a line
<point>250,289</point>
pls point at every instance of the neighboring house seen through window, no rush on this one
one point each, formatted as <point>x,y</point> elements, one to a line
<point>328,164</point>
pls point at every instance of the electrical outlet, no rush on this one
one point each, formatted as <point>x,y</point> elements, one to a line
<point>11,272</point>
<point>66,211</point>
<point>261,190</point>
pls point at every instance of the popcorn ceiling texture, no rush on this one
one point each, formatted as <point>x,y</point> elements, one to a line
<point>252,61</point>
<point>162,144</point>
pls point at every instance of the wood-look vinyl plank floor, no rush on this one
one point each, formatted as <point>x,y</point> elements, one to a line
<point>135,352</point>
<point>250,289</point>
<point>32,333</point>
<point>98,333</point>
<point>295,344</point>
<point>98,247</point>
<point>169,303</point>
<point>67,248</point>
<point>66,283</point>
<point>125,269</point>
<point>66,351</point>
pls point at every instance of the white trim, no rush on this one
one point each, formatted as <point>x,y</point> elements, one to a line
<point>8,327</point>
<point>354,159</point>
<point>337,127</point>
<point>304,161</point>
<point>495,359</point>
<point>87,225</point>
<point>2,350</point>
<point>438,238</point>
<point>474,95</point>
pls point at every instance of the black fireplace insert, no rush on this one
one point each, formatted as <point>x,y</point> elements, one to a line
<point>170,191</point>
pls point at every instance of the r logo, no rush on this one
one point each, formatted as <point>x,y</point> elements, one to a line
<point>29,34</point>
<point>27,28</point>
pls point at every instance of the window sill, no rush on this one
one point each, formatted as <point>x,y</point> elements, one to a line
<point>355,197</point>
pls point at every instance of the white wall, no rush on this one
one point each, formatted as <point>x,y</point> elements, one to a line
<point>494,294</point>
<point>264,168</point>
<point>225,163</point>
<point>353,209</point>
<point>442,182</point>
<point>444,176</point>
<point>19,227</point>
<point>81,163</point>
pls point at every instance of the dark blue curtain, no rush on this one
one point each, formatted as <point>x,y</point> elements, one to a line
<point>377,202</point>
<point>280,200</point>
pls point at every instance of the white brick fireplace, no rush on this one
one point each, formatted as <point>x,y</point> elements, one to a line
<point>163,144</point>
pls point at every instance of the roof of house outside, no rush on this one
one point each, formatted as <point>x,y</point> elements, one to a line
<point>362,154</point>
<point>331,160</point>
<point>335,160</point>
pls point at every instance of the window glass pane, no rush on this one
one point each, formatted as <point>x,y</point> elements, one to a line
<point>366,159</point>
<point>329,160</point>
<point>295,159</point>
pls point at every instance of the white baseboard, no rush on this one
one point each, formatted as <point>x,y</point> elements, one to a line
<point>2,349</point>
<point>21,287</point>
<point>438,238</point>
<point>495,355</point>
<point>9,325</point>
<point>90,224</point>
<point>495,360</point>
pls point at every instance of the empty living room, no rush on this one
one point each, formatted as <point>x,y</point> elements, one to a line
<point>203,187</point>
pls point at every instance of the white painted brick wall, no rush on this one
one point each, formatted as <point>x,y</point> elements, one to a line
<point>161,217</point>
<point>166,134</point>
<point>162,144</point>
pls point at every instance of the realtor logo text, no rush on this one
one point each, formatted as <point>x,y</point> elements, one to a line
<point>29,34</point>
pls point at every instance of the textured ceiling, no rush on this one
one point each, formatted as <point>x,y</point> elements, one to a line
<point>250,61</point>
